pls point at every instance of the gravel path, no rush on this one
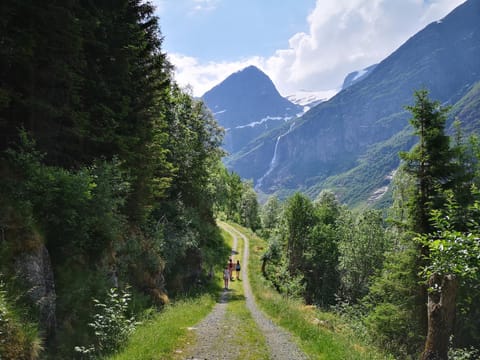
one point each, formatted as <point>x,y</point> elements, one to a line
<point>215,342</point>
<point>214,339</point>
<point>278,340</point>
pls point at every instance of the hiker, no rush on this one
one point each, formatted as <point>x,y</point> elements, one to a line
<point>230,268</point>
<point>226,277</point>
<point>237,269</point>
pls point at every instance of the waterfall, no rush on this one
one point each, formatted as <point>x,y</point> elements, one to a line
<point>273,162</point>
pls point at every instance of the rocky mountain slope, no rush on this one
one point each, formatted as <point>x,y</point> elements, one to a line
<point>247,104</point>
<point>367,120</point>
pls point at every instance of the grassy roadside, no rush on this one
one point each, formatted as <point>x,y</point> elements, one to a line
<point>159,337</point>
<point>321,335</point>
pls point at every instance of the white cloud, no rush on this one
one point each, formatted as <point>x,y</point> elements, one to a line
<point>343,36</point>
<point>202,77</point>
<point>205,5</point>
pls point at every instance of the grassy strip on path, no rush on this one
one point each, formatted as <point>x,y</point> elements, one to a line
<point>321,335</point>
<point>248,338</point>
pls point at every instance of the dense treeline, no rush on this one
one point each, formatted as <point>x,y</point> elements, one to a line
<point>107,171</point>
<point>409,279</point>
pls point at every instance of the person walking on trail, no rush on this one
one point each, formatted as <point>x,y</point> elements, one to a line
<point>230,268</point>
<point>226,277</point>
<point>237,269</point>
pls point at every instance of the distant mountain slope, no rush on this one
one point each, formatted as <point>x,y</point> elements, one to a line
<point>467,110</point>
<point>247,104</point>
<point>334,137</point>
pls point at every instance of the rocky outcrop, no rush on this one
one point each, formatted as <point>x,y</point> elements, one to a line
<point>34,268</point>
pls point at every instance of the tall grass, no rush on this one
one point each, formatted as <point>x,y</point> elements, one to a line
<point>19,335</point>
<point>321,335</point>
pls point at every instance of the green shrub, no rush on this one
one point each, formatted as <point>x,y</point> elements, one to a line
<point>111,324</point>
<point>463,354</point>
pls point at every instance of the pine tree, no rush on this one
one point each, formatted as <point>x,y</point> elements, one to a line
<point>40,64</point>
<point>430,161</point>
<point>432,167</point>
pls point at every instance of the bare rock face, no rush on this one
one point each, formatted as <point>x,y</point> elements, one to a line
<point>35,269</point>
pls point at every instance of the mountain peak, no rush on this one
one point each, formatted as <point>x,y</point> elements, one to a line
<point>251,68</point>
<point>251,71</point>
<point>246,96</point>
<point>250,79</point>
<point>247,104</point>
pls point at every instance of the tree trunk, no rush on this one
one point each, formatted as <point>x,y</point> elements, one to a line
<point>264,266</point>
<point>441,316</point>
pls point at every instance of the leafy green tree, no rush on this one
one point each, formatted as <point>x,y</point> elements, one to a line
<point>249,209</point>
<point>431,170</point>
<point>298,221</point>
<point>270,213</point>
<point>362,246</point>
<point>321,255</point>
<point>193,147</point>
<point>303,247</point>
<point>234,189</point>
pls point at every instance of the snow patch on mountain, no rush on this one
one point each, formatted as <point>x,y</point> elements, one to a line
<point>265,119</point>
<point>309,99</point>
<point>358,75</point>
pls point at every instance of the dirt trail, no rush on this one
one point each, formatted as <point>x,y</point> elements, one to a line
<point>215,342</point>
<point>214,339</point>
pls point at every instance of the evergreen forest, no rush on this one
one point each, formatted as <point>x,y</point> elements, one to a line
<point>111,182</point>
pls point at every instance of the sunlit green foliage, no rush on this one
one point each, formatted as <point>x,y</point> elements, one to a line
<point>362,246</point>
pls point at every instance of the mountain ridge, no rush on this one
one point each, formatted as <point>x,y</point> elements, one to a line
<point>444,57</point>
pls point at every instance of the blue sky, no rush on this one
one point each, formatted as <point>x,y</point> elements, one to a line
<point>301,44</point>
<point>229,30</point>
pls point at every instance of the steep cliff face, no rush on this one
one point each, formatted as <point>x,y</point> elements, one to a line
<point>34,268</point>
<point>334,136</point>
